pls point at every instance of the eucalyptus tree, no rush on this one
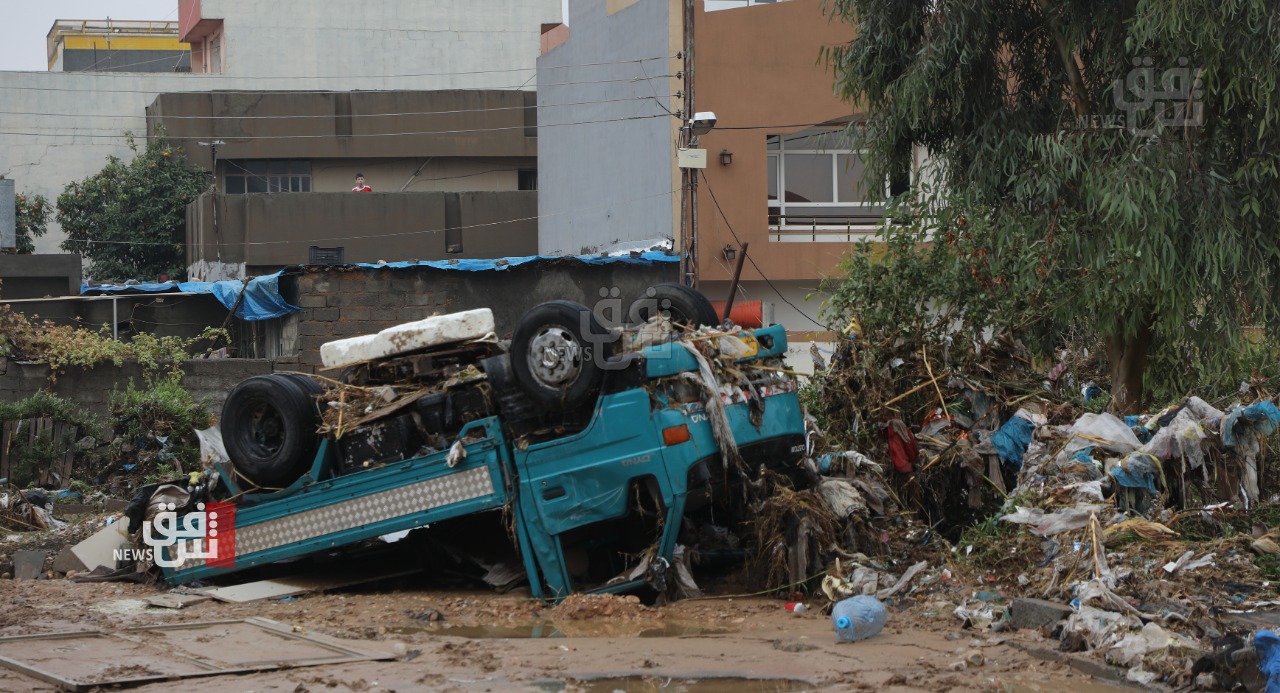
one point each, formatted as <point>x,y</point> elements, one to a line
<point>1110,166</point>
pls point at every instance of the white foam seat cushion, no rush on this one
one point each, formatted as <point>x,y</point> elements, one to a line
<point>411,336</point>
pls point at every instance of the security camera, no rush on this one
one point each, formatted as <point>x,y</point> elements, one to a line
<point>702,123</point>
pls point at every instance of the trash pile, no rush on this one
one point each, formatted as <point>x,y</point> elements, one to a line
<point>1149,540</point>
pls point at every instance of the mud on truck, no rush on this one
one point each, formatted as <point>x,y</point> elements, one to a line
<point>579,457</point>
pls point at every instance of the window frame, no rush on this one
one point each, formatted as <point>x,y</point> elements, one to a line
<point>241,169</point>
<point>777,208</point>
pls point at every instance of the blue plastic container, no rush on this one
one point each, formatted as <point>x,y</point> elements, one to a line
<point>858,618</point>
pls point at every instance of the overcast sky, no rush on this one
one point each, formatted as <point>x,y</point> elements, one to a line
<point>25,24</point>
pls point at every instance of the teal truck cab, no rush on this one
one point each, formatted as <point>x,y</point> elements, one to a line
<point>592,463</point>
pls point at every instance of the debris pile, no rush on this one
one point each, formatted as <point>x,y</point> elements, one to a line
<point>1145,540</point>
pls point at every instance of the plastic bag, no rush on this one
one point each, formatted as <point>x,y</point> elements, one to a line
<point>842,497</point>
<point>1179,440</point>
<point>1103,430</point>
<point>212,450</point>
<point>1047,524</point>
<point>1098,626</point>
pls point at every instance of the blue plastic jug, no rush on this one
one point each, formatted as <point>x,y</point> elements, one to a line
<point>858,618</point>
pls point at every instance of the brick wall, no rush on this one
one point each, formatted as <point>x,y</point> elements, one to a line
<point>209,380</point>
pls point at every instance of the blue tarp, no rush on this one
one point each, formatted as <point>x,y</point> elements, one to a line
<point>1012,439</point>
<point>646,258</point>
<point>262,299</point>
<point>1263,416</point>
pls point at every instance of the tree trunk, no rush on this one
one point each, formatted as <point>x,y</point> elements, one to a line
<point>1127,354</point>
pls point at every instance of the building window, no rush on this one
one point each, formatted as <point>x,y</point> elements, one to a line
<point>266,175</point>
<point>714,5</point>
<point>820,177</point>
<point>215,56</point>
<point>526,179</point>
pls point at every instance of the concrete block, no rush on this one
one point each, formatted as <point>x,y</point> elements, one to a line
<point>28,565</point>
<point>311,328</point>
<point>359,314</point>
<point>444,329</point>
<point>324,314</point>
<point>67,561</point>
<point>312,300</point>
<point>1036,613</point>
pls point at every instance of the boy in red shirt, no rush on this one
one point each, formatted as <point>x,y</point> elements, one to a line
<point>360,186</point>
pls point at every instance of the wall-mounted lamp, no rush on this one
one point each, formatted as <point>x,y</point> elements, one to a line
<point>726,157</point>
<point>730,253</point>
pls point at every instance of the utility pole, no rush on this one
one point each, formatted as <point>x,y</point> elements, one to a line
<point>690,238</point>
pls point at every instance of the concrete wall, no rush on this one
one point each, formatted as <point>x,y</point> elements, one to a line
<point>343,40</point>
<point>62,126</point>
<point>600,183</point>
<point>268,231</point>
<point>344,302</point>
<point>209,380</point>
<point>37,276</point>
<point>263,125</point>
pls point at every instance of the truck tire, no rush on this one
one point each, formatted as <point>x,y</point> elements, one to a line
<point>519,413</point>
<point>684,305</point>
<point>557,352</point>
<point>269,427</point>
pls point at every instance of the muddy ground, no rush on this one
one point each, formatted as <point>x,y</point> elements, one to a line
<point>481,641</point>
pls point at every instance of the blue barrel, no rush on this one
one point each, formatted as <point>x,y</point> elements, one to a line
<point>858,618</point>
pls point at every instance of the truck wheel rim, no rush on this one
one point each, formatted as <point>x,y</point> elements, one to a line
<point>266,429</point>
<point>554,356</point>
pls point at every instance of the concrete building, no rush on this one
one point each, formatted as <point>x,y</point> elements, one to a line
<point>453,174</point>
<point>89,45</point>
<point>778,174</point>
<point>56,127</point>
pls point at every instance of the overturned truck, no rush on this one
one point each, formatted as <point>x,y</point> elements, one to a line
<point>592,449</point>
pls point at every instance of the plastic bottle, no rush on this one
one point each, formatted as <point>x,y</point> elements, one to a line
<point>858,618</point>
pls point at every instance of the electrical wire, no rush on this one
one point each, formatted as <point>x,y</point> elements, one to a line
<point>305,91</point>
<point>239,78</point>
<point>90,242</point>
<point>332,116</point>
<point>752,260</point>
<point>266,178</point>
<point>330,135</point>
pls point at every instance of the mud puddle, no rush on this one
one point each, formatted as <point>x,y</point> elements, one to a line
<point>575,630</point>
<point>654,684</point>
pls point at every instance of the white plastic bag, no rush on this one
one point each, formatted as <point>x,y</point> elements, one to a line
<point>1101,430</point>
<point>1047,524</point>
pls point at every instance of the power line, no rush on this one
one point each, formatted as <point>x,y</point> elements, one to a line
<point>308,91</point>
<point>330,135</point>
<point>330,115</point>
<point>393,234</point>
<point>752,260</point>
<point>204,75</point>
